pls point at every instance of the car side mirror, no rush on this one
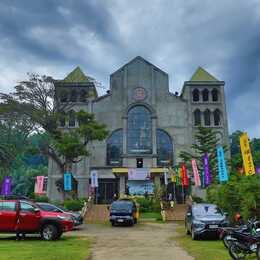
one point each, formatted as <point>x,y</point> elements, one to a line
<point>36,210</point>
<point>188,214</point>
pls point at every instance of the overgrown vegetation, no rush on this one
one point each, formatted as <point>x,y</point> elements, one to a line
<point>34,102</point>
<point>239,194</point>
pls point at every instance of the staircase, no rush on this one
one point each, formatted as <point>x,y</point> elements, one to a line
<point>176,213</point>
<point>97,213</point>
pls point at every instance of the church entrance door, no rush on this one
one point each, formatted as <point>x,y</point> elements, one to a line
<point>106,190</point>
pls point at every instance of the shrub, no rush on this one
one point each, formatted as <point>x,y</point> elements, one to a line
<point>239,194</point>
<point>74,205</point>
<point>42,198</point>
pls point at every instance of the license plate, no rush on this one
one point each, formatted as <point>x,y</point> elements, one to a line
<point>213,226</point>
<point>120,220</point>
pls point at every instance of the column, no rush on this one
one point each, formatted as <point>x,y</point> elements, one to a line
<point>122,185</point>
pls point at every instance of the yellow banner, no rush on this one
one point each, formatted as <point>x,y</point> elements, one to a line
<point>172,174</point>
<point>246,155</point>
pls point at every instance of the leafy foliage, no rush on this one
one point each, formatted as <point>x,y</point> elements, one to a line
<point>239,194</point>
<point>35,101</point>
<point>205,142</point>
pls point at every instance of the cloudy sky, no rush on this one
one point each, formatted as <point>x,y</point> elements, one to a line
<point>53,36</point>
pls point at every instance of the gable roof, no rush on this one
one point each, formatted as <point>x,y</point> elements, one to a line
<point>139,58</point>
<point>202,75</point>
<point>76,76</point>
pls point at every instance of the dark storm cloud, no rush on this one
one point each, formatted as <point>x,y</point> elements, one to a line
<point>178,36</point>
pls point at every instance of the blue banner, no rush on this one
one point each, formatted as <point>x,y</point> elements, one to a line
<point>67,181</point>
<point>222,168</point>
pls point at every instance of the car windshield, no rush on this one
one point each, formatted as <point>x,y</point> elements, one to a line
<point>207,210</point>
<point>122,206</point>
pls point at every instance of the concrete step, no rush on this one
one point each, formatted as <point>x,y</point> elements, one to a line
<point>97,213</point>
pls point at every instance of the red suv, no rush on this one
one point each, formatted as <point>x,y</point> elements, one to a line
<point>23,216</point>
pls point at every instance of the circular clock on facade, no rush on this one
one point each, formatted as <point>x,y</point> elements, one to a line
<point>140,94</point>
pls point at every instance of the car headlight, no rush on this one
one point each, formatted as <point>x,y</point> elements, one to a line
<point>198,224</point>
<point>65,217</point>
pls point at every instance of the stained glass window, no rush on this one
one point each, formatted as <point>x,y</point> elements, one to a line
<point>115,148</point>
<point>139,130</point>
<point>164,148</point>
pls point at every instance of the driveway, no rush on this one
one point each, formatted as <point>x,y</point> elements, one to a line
<point>143,241</point>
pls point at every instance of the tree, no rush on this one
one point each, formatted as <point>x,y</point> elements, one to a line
<point>205,141</point>
<point>35,100</point>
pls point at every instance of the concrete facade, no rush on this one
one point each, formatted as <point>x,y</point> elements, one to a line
<point>140,83</point>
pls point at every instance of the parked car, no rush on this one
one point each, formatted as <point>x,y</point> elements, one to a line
<point>123,212</point>
<point>76,216</point>
<point>202,219</point>
<point>24,216</point>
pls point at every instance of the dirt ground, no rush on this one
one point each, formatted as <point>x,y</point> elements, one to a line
<point>143,241</point>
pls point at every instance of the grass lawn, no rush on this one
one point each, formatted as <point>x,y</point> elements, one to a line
<point>203,249</point>
<point>147,215</point>
<point>34,248</point>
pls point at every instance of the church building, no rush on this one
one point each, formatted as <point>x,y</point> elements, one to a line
<point>149,125</point>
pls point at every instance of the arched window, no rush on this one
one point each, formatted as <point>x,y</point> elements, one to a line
<point>216,117</point>
<point>115,148</point>
<point>73,96</point>
<point>83,96</point>
<point>197,117</point>
<point>64,96</point>
<point>139,130</point>
<point>207,117</point>
<point>214,94</point>
<point>195,95</point>
<point>205,95</point>
<point>164,148</point>
<point>72,118</point>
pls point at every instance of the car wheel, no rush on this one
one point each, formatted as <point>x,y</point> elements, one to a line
<point>194,236</point>
<point>112,223</point>
<point>49,232</point>
<point>135,221</point>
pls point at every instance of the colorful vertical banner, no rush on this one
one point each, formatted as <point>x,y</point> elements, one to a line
<point>195,173</point>
<point>165,175</point>
<point>257,169</point>
<point>185,179</point>
<point>39,185</point>
<point>6,186</point>
<point>207,175</point>
<point>94,178</point>
<point>222,167</point>
<point>172,174</point>
<point>67,181</point>
<point>246,155</point>
<point>178,177</point>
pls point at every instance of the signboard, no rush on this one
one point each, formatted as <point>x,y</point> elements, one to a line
<point>246,155</point>
<point>94,178</point>
<point>6,186</point>
<point>139,174</point>
<point>67,181</point>
<point>222,168</point>
<point>140,187</point>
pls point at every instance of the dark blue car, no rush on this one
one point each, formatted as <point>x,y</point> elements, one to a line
<point>204,219</point>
